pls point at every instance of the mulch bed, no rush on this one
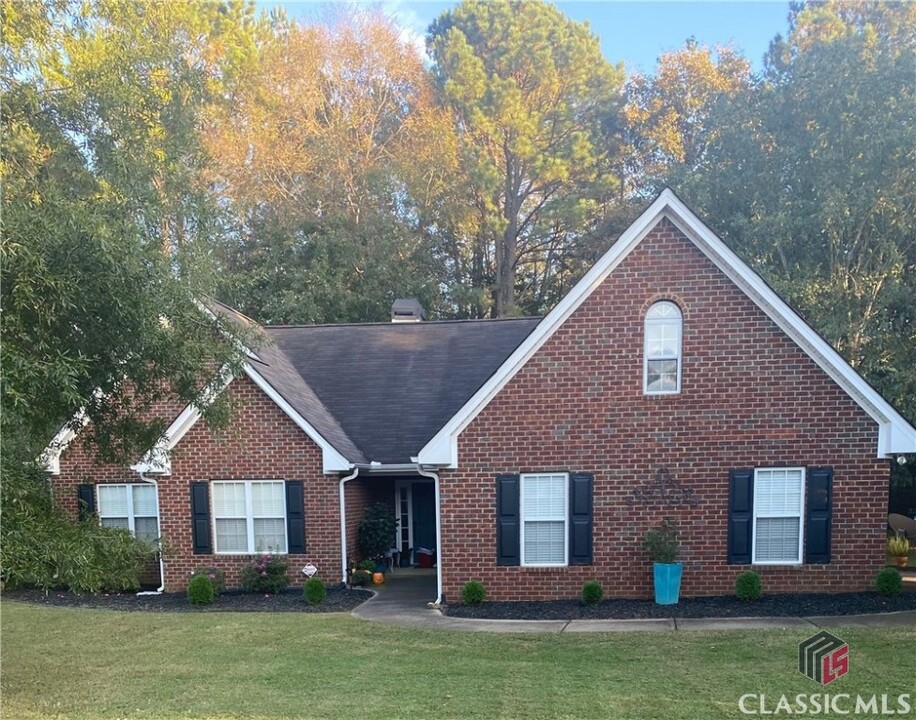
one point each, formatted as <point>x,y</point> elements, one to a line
<point>290,600</point>
<point>794,605</point>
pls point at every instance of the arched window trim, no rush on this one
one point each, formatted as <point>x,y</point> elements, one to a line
<point>663,314</point>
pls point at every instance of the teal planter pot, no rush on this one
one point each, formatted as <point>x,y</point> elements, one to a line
<point>667,582</point>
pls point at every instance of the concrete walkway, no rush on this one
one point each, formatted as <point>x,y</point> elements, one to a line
<point>404,600</point>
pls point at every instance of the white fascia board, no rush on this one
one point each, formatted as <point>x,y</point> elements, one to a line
<point>442,449</point>
<point>331,460</point>
<point>895,434</point>
<point>236,343</point>
<point>49,459</point>
<point>157,460</point>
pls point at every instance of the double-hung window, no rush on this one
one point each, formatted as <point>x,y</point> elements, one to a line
<point>132,507</point>
<point>249,516</point>
<point>662,352</point>
<point>779,503</point>
<point>544,513</point>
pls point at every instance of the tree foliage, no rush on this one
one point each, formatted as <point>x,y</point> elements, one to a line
<point>535,106</point>
<point>40,547</point>
<point>672,116</point>
<point>812,177</point>
<point>329,150</point>
<point>105,219</point>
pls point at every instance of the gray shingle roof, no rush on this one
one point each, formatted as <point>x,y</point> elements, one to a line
<point>378,392</point>
<point>389,386</point>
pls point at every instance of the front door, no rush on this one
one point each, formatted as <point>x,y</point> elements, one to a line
<point>424,516</point>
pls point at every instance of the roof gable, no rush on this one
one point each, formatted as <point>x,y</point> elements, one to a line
<point>895,434</point>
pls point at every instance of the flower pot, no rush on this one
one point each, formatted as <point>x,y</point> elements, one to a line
<point>900,560</point>
<point>378,578</point>
<point>667,582</point>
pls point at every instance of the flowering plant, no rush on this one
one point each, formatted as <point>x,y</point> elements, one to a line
<point>265,574</point>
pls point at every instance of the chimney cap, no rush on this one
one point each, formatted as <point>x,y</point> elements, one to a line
<point>407,310</point>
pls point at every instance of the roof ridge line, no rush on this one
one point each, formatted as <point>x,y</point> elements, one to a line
<point>403,324</point>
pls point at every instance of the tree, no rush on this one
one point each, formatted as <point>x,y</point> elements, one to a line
<point>671,115</point>
<point>105,216</point>
<point>813,179</point>
<point>535,106</point>
<point>330,152</point>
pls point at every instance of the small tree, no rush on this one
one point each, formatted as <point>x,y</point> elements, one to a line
<point>376,532</point>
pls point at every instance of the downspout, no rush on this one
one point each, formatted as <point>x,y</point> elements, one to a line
<point>157,591</point>
<point>435,477</point>
<point>343,524</point>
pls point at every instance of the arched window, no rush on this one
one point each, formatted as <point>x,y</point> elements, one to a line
<point>662,362</point>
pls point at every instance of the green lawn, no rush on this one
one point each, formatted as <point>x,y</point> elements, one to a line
<point>68,663</point>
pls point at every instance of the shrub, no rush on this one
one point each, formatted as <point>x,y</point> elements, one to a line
<point>216,576</point>
<point>898,546</point>
<point>200,590</point>
<point>314,591</point>
<point>748,586</point>
<point>592,592</point>
<point>266,574</point>
<point>473,593</point>
<point>42,547</point>
<point>661,543</point>
<point>889,582</point>
<point>376,532</point>
<point>362,573</point>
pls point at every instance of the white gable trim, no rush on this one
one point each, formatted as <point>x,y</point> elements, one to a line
<point>49,459</point>
<point>157,459</point>
<point>895,434</point>
<point>331,459</point>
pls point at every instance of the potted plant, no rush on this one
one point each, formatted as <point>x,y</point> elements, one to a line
<point>661,545</point>
<point>376,534</point>
<point>898,547</point>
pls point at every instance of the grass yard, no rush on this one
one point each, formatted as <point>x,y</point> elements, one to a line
<point>88,664</point>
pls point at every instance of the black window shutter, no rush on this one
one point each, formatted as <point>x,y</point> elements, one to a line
<point>85,496</point>
<point>580,518</point>
<point>818,516</point>
<point>508,525</point>
<point>200,518</point>
<point>740,515</point>
<point>295,517</point>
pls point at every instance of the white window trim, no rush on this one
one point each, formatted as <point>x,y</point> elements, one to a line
<point>679,358</point>
<point>521,508</point>
<point>801,518</point>
<point>249,519</point>
<point>131,517</point>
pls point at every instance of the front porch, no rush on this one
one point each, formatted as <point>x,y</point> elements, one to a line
<point>410,499</point>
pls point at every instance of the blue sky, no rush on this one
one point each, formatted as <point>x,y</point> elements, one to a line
<point>632,32</point>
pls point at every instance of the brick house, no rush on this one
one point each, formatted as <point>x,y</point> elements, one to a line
<point>533,453</point>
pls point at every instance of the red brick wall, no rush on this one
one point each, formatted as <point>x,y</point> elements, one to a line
<point>261,443</point>
<point>749,397</point>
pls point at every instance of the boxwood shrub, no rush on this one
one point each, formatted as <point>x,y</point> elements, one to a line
<point>314,591</point>
<point>473,593</point>
<point>200,590</point>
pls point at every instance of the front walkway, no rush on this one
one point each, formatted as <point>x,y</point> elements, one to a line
<point>404,600</point>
